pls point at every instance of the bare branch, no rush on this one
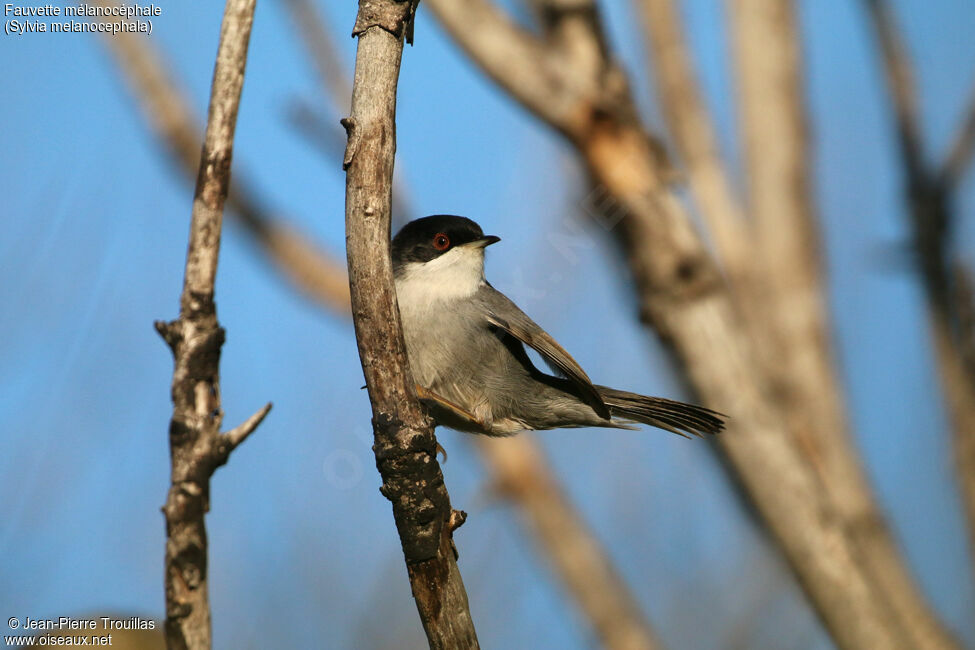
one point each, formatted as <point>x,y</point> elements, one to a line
<point>239,433</point>
<point>515,60</point>
<point>170,117</point>
<point>404,441</point>
<point>681,294</point>
<point>196,446</point>
<point>325,56</point>
<point>962,149</point>
<point>520,472</point>
<point>693,129</point>
<point>774,133</point>
<point>316,36</point>
<point>928,197</point>
<point>900,81</point>
<point>788,294</point>
<point>326,138</point>
<point>960,401</point>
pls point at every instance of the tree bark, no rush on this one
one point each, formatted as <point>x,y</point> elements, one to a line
<point>405,445</point>
<point>197,447</point>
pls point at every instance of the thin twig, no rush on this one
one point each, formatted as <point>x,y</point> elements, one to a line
<point>312,125</point>
<point>313,30</point>
<point>329,140</point>
<point>405,445</point>
<point>197,447</point>
<point>929,203</point>
<point>316,36</point>
<point>690,123</point>
<point>962,149</point>
<point>900,82</point>
<point>240,433</point>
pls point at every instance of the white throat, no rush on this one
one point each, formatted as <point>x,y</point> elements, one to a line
<point>454,275</point>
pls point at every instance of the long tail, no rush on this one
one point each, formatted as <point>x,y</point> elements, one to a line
<point>676,417</point>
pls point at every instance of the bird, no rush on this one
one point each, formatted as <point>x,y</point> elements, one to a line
<point>465,342</point>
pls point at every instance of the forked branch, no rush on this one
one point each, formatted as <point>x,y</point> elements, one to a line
<point>197,447</point>
<point>929,193</point>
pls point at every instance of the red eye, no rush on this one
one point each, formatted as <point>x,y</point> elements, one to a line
<point>441,241</point>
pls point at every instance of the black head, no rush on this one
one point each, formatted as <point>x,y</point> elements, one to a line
<point>424,239</point>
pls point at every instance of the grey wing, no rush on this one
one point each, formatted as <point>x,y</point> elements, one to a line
<point>505,315</point>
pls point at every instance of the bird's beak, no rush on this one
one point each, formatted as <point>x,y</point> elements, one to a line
<point>487,240</point>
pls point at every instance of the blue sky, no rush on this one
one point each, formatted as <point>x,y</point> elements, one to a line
<point>302,543</point>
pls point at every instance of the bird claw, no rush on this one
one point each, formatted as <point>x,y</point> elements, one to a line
<point>428,395</point>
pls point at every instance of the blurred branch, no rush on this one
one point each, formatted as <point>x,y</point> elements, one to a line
<point>960,398</point>
<point>789,295</point>
<point>329,141</point>
<point>311,26</point>
<point>521,474</point>
<point>170,117</point>
<point>680,292</point>
<point>197,447</point>
<point>688,120</point>
<point>405,445</point>
<point>315,34</point>
<point>517,62</point>
<point>929,198</point>
<point>962,149</point>
<point>325,138</point>
<point>900,83</point>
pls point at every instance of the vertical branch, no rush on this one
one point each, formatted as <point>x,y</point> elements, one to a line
<point>404,441</point>
<point>963,147</point>
<point>688,120</point>
<point>928,191</point>
<point>197,447</point>
<point>788,293</point>
<point>325,56</point>
<point>900,83</point>
<point>780,203</point>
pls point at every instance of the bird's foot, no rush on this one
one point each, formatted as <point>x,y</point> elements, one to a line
<point>428,395</point>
